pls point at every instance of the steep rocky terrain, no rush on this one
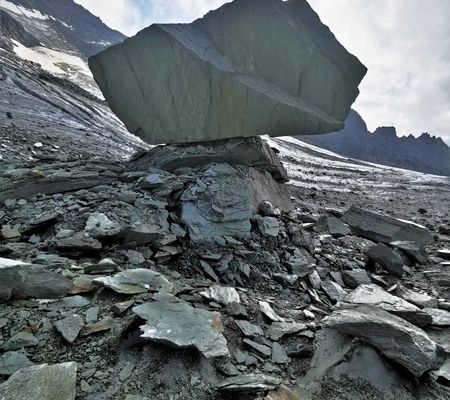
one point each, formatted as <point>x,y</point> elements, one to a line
<point>112,286</point>
<point>426,153</point>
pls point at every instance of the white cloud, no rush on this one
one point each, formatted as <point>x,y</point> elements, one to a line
<point>405,45</point>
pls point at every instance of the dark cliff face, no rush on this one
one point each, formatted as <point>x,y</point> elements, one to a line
<point>426,153</point>
<point>69,26</point>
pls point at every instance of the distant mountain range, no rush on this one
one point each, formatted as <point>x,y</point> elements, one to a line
<point>425,153</point>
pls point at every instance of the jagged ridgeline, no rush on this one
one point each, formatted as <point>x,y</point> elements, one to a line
<point>251,67</point>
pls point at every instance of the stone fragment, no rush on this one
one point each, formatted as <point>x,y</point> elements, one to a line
<point>99,226</point>
<point>135,257</point>
<point>10,234</point>
<point>268,311</point>
<point>12,361</point>
<point>439,317</point>
<point>143,234</point>
<point>207,269</point>
<point>92,314</point>
<point>279,356</point>
<point>443,374</point>
<point>333,290</point>
<point>70,327</point>
<point>286,279</point>
<point>42,382</point>
<point>222,294</point>
<point>105,324</point>
<point>105,266</point>
<point>332,226</point>
<point>384,256</point>
<point>268,226</point>
<point>267,209</point>
<point>19,280</point>
<point>444,253</point>
<point>261,349</point>
<point>126,371</point>
<point>223,199</point>
<point>355,277</point>
<point>300,263</point>
<point>180,325</point>
<point>248,329</point>
<point>411,249</point>
<point>282,393</point>
<point>396,338</point>
<point>68,302</point>
<point>382,228</point>
<point>280,329</point>
<point>232,97</point>
<point>419,299</point>
<point>249,383</point>
<point>78,244</point>
<point>375,296</point>
<point>135,281</point>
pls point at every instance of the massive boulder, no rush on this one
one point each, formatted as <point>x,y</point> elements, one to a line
<point>251,67</point>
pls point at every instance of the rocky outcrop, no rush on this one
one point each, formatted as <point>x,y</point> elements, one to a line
<point>221,76</point>
<point>425,153</point>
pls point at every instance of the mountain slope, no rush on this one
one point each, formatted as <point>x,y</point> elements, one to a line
<point>426,153</point>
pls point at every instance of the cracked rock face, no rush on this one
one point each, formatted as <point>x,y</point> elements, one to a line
<point>180,325</point>
<point>251,67</point>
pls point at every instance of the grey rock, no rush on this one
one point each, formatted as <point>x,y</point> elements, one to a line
<point>222,294</point>
<point>286,279</point>
<point>12,361</point>
<point>355,277</point>
<point>70,327</point>
<point>280,329</point>
<point>331,225</point>
<point>268,226</point>
<point>315,280</point>
<point>120,308</point>
<point>103,325</point>
<point>68,302</point>
<point>300,263</point>
<point>443,374</point>
<point>223,199</point>
<point>105,266</point>
<point>384,256</point>
<point>279,355</point>
<point>162,183</point>
<point>268,311</point>
<point>249,383</point>
<point>419,299</point>
<point>396,338</point>
<point>439,317</point>
<point>135,257</point>
<point>180,325</point>
<point>411,249</point>
<point>99,226</point>
<point>249,329</point>
<point>333,290</point>
<point>135,281</point>
<point>78,244</point>
<point>126,371</point>
<point>19,280</point>
<point>261,349</point>
<point>232,95</point>
<point>207,269</point>
<point>444,253</point>
<point>92,314</point>
<point>19,340</point>
<point>42,382</point>
<point>375,296</point>
<point>144,234</point>
<point>267,209</point>
<point>382,228</point>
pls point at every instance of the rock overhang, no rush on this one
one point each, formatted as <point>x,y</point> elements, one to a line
<point>249,68</point>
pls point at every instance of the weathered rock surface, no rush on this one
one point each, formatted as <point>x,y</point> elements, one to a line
<point>134,281</point>
<point>222,295</point>
<point>12,361</point>
<point>332,226</point>
<point>19,280</point>
<point>70,327</point>
<point>394,337</point>
<point>389,260</point>
<point>180,325</point>
<point>439,317</point>
<point>212,90</point>
<point>41,382</point>
<point>249,383</point>
<point>382,228</point>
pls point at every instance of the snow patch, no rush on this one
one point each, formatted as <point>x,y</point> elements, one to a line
<point>26,12</point>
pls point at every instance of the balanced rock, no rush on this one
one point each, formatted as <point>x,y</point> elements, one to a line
<point>180,325</point>
<point>221,76</point>
<point>396,338</point>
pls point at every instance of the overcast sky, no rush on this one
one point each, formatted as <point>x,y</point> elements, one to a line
<point>404,43</point>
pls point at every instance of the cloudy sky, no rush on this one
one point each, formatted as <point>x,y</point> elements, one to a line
<point>404,43</point>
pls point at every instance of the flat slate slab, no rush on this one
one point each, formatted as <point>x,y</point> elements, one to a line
<point>250,67</point>
<point>180,325</point>
<point>249,383</point>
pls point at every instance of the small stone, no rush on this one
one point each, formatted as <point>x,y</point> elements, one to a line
<point>9,233</point>
<point>268,226</point>
<point>78,244</point>
<point>120,308</point>
<point>267,209</point>
<point>259,348</point>
<point>249,383</point>
<point>135,257</point>
<point>92,314</point>
<point>105,266</point>
<point>332,226</point>
<point>444,253</point>
<point>279,329</point>
<point>411,249</point>
<point>70,327</point>
<point>221,294</point>
<point>286,279</point>
<point>12,361</point>
<point>268,311</point>
<point>279,356</point>
<point>209,272</point>
<point>333,290</point>
<point>439,317</point>
<point>19,340</point>
<point>249,329</point>
<point>126,371</point>
<point>389,260</point>
<point>99,226</point>
<point>355,277</point>
<point>103,325</point>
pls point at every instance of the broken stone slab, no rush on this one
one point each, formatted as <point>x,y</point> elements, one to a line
<point>268,226</point>
<point>300,263</point>
<point>279,355</point>
<point>333,290</point>
<point>135,281</point>
<point>20,281</point>
<point>222,294</point>
<point>232,95</point>
<point>411,249</point>
<point>180,325</point>
<point>224,198</point>
<point>259,348</point>
<point>12,361</point>
<point>396,338</point>
<point>78,244</point>
<point>105,266</point>
<point>439,317</point>
<point>251,152</point>
<point>268,311</point>
<point>42,382</point>
<point>375,296</point>
<point>332,226</point>
<point>280,329</point>
<point>70,327</point>
<point>382,228</point>
<point>248,329</point>
<point>20,340</point>
<point>99,226</point>
<point>419,299</point>
<point>103,325</point>
<point>384,256</point>
<point>249,383</point>
<point>120,308</point>
<point>355,277</point>
<point>267,209</point>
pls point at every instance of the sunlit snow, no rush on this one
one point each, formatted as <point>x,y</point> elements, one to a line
<point>29,13</point>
